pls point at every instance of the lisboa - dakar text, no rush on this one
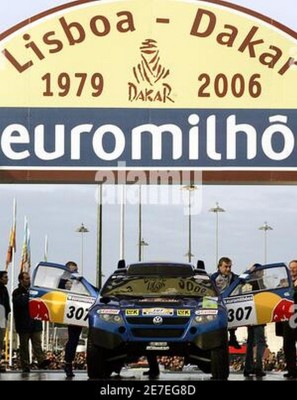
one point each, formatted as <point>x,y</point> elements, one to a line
<point>191,139</point>
<point>205,24</point>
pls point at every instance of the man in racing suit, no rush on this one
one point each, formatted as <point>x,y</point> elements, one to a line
<point>222,279</point>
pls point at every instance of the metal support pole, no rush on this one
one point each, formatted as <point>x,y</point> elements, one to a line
<point>99,239</point>
<point>139,225</point>
<point>190,229</point>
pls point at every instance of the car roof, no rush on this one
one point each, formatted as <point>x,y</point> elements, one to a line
<point>159,268</point>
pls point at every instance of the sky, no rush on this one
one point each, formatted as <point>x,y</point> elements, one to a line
<point>57,211</point>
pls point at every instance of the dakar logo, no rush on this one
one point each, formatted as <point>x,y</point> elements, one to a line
<point>150,76</point>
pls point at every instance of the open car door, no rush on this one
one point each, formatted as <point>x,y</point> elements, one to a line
<point>61,303</point>
<point>259,296</point>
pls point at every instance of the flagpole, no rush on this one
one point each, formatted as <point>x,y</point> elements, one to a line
<point>26,249</point>
<point>11,313</point>
<point>11,288</point>
<point>45,331</point>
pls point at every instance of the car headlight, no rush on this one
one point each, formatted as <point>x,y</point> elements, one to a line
<point>202,319</point>
<point>115,318</point>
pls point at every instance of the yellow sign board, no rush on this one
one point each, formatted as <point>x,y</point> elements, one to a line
<point>149,84</point>
<point>143,53</point>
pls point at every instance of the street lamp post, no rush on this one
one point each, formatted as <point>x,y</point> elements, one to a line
<point>143,243</point>
<point>122,223</point>
<point>265,227</point>
<point>82,229</point>
<point>217,209</point>
<point>139,223</point>
<point>190,189</point>
<point>99,237</point>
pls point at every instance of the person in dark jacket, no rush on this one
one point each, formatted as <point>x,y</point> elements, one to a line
<point>222,279</point>
<point>74,331</point>
<point>290,331</point>
<point>26,327</point>
<point>154,370</point>
<point>256,333</point>
<point>4,311</point>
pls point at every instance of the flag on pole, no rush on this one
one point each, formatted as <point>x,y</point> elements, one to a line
<point>12,238</point>
<point>26,249</point>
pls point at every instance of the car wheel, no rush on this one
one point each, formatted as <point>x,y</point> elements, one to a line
<point>220,362</point>
<point>96,361</point>
<point>204,366</point>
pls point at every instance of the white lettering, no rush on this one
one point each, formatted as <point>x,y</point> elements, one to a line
<point>156,133</point>
<point>194,137</point>
<point>75,139</point>
<point>233,130</point>
<point>215,139</point>
<point>285,131</point>
<point>119,138</point>
<point>211,139</point>
<point>59,143</point>
<point>15,134</point>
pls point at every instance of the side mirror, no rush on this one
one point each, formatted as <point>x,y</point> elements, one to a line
<point>200,264</point>
<point>244,276</point>
<point>75,276</point>
<point>121,264</point>
<point>105,300</point>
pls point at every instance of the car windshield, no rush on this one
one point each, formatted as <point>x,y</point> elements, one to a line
<point>157,286</point>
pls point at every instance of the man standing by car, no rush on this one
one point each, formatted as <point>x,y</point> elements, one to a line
<point>4,311</point>
<point>289,330</point>
<point>74,331</point>
<point>256,333</point>
<point>222,279</point>
<point>26,327</point>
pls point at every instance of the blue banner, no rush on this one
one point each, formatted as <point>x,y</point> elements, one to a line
<point>147,138</point>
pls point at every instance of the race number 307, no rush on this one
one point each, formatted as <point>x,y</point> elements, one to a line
<point>239,314</point>
<point>77,313</point>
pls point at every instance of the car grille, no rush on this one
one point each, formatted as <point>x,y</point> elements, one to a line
<point>157,333</point>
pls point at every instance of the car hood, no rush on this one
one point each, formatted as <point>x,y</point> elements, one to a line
<point>165,302</point>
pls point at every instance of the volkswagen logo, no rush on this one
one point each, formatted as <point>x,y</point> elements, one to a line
<point>157,320</point>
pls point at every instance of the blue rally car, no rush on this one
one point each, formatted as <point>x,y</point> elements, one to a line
<point>160,308</point>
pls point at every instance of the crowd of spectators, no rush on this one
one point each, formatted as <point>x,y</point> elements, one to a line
<point>272,362</point>
<point>56,361</point>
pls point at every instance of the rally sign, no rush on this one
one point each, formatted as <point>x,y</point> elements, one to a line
<point>200,85</point>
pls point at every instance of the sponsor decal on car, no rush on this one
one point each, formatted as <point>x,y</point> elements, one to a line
<point>183,313</point>
<point>210,302</point>
<point>206,312</point>
<point>242,310</point>
<point>270,306</point>
<point>39,310</point>
<point>112,311</point>
<point>76,310</point>
<point>82,299</point>
<point>239,299</point>
<point>131,312</point>
<point>157,311</point>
